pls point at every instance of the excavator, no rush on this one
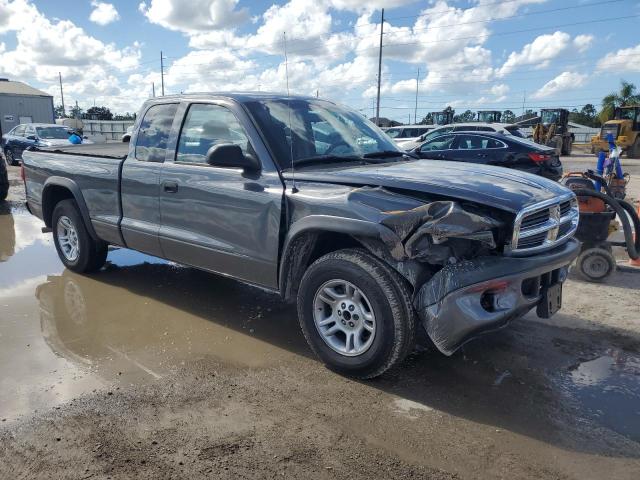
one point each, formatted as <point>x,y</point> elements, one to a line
<point>625,130</point>
<point>553,130</point>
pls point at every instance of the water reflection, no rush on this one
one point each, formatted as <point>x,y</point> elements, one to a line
<point>608,389</point>
<point>147,319</point>
<point>7,233</point>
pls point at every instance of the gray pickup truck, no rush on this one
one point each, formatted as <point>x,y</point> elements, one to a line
<point>309,199</point>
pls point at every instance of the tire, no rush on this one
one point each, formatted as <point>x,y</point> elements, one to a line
<point>10,157</point>
<point>596,264</point>
<point>634,151</point>
<point>384,297</point>
<point>69,231</point>
<point>4,182</point>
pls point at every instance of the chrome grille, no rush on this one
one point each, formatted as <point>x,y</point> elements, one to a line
<point>545,225</point>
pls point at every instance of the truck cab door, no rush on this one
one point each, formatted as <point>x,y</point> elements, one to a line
<point>222,219</point>
<point>140,184</point>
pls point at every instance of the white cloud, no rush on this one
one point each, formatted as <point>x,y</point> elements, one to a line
<point>563,82</point>
<point>500,90</point>
<point>103,13</point>
<point>538,53</point>
<point>583,42</point>
<point>624,60</point>
<point>194,15</point>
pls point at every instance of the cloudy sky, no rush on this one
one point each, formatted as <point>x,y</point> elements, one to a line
<point>477,54</point>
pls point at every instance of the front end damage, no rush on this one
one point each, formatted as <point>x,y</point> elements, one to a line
<point>452,254</point>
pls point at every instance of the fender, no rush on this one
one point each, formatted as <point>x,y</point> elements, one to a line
<point>301,240</point>
<point>70,185</point>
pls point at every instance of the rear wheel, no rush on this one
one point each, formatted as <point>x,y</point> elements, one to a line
<point>356,313</point>
<point>77,250</point>
<point>596,264</point>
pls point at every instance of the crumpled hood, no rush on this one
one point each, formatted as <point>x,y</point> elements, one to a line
<point>498,187</point>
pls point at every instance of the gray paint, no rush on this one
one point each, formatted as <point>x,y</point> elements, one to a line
<point>238,223</point>
<point>39,108</point>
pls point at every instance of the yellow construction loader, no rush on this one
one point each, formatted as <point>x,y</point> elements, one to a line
<point>625,130</point>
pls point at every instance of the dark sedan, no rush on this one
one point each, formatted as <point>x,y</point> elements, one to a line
<point>32,134</point>
<point>493,149</point>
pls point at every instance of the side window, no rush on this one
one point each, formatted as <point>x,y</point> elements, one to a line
<point>154,132</point>
<point>207,125</point>
<point>493,143</point>
<point>440,143</point>
<point>470,142</point>
<point>19,131</point>
<point>29,131</point>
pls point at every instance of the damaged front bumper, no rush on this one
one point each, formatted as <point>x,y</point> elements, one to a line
<point>466,299</point>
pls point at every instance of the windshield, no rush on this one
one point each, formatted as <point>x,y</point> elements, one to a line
<point>549,116</point>
<point>318,128</point>
<point>628,114</point>
<point>52,132</point>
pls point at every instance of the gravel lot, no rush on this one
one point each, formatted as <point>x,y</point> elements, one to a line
<point>151,370</point>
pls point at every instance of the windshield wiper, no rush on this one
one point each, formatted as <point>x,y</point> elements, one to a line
<point>326,159</point>
<point>384,154</point>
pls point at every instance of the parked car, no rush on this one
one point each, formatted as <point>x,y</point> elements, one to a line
<point>490,148</point>
<point>4,181</point>
<point>365,238</point>
<point>126,136</point>
<point>506,128</point>
<point>33,135</point>
<point>407,133</point>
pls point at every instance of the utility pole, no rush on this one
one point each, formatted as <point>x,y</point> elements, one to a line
<point>380,68</point>
<point>162,72</point>
<point>62,95</point>
<point>415,112</point>
<point>153,89</point>
<point>524,98</point>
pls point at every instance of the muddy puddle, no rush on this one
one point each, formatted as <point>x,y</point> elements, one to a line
<point>139,319</point>
<point>606,389</point>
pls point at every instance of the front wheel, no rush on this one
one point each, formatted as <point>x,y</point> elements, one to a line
<point>77,250</point>
<point>356,313</point>
<point>10,157</point>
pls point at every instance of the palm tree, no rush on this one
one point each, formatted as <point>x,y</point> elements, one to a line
<point>626,96</point>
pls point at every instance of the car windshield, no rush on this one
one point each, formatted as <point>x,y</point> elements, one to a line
<point>314,129</point>
<point>549,116</point>
<point>52,132</point>
<point>628,113</point>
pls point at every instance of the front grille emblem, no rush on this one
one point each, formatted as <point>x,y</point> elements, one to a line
<point>554,215</point>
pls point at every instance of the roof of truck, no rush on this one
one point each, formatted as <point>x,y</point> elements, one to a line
<point>241,96</point>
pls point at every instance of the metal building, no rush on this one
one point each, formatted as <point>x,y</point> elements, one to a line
<point>20,103</point>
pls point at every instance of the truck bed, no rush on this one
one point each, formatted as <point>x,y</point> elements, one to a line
<point>118,150</point>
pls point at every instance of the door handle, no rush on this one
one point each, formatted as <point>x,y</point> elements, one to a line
<point>170,187</point>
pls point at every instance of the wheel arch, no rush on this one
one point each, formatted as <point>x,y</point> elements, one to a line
<point>316,235</point>
<point>55,190</point>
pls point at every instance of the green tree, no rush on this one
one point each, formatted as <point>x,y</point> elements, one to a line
<point>76,112</point>
<point>427,120</point>
<point>588,116</point>
<point>625,96</point>
<point>58,111</point>
<point>467,116</point>
<point>99,113</point>
<point>508,116</point>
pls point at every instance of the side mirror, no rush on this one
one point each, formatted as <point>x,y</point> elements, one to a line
<point>31,137</point>
<point>231,155</point>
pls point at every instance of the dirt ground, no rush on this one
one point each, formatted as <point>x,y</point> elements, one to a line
<point>151,370</point>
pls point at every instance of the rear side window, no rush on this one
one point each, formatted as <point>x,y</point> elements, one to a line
<point>154,132</point>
